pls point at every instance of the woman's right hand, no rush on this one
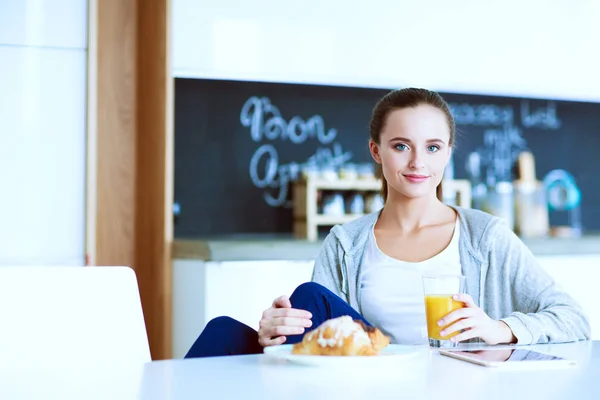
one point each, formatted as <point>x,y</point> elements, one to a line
<point>281,320</point>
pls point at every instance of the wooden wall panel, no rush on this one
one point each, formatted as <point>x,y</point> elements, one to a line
<point>130,151</point>
<point>154,171</point>
<point>116,132</point>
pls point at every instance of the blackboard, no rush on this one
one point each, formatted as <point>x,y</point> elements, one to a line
<point>223,151</point>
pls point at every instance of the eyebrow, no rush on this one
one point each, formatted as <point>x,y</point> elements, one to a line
<point>402,139</point>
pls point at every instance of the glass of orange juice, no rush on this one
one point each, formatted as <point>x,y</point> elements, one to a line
<point>438,290</point>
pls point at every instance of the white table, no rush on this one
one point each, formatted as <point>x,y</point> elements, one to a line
<point>426,376</point>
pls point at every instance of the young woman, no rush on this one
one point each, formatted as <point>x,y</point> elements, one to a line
<point>371,268</point>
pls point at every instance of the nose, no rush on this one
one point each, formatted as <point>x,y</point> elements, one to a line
<point>416,161</point>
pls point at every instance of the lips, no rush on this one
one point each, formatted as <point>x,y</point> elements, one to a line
<point>416,178</point>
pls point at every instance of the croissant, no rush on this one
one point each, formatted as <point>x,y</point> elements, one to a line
<point>342,336</point>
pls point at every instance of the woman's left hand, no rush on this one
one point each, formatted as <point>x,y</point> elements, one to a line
<point>475,323</point>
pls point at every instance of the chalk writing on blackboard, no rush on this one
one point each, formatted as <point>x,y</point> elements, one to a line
<point>481,114</point>
<point>503,139</point>
<point>543,117</point>
<point>265,122</point>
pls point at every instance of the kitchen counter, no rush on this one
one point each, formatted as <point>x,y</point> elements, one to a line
<point>286,248</point>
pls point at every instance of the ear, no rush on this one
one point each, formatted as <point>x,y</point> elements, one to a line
<point>374,149</point>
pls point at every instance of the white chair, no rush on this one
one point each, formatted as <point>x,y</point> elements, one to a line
<point>71,316</point>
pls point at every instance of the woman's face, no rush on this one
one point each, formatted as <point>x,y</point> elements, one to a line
<point>413,150</point>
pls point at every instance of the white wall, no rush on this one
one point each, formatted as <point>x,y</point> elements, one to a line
<point>42,131</point>
<point>533,48</point>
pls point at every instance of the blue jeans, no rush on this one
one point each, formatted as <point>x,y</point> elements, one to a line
<point>226,336</point>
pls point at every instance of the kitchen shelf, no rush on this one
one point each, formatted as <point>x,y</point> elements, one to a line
<point>306,193</point>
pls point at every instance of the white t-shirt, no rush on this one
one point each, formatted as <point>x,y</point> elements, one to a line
<point>392,292</point>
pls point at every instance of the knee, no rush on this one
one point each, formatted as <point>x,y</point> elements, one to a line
<point>308,289</point>
<point>214,338</point>
<point>220,324</point>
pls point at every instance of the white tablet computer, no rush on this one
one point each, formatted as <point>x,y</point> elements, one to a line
<point>509,357</point>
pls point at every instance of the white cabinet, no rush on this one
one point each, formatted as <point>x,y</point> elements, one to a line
<point>42,156</point>
<point>323,46</point>
<point>239,289</point>
<point>44,23</point>
<point>43,83</point>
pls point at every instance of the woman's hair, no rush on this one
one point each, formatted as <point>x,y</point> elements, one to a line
<point>404,98</point>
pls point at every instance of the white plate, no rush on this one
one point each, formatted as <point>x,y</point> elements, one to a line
<point>393,354</point>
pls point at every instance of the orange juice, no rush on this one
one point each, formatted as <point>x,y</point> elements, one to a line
<point>438,306</point>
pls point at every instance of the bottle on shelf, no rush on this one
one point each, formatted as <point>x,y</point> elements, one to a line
<point>478,187</point>
<point>499,200</point>
<point>531,206</point>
